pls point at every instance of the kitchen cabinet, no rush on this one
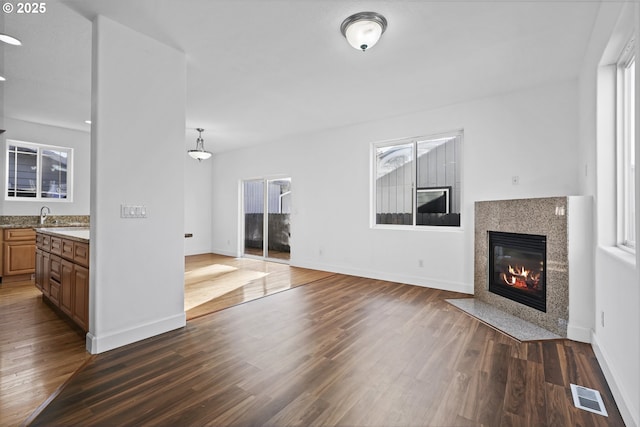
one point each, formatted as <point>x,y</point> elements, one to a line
<point>80,311</point>
<point>43,262</point>
<point>62,275</point>
<point>18,252</point>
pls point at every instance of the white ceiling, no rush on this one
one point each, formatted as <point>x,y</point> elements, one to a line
<point>262,70</point>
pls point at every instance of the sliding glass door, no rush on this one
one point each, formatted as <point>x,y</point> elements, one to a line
<point>272,196</point>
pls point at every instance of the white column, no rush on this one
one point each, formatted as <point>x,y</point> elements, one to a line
<point>137,158</point>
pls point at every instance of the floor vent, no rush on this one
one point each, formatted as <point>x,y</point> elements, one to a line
<point>588,399</point>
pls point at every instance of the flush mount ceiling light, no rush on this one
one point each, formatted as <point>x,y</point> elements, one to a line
<point>10,40</point>
<point>363,30</point>
<point>199,153</point>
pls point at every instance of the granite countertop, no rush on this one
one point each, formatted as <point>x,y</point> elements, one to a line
<point>32,221</point>
<point>80,234</point>
<point>39,226</point>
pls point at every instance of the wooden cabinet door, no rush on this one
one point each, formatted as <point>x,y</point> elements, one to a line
<point>39,269</point>
<point>54,295</point>
<point>19,257</point>
<point>66,287</point>
<point>46,273</point>
<point>81,297</point>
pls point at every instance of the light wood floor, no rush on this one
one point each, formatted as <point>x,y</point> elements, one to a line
<point>38,351</point>
<point>341,351</point>
<point>214,282</point>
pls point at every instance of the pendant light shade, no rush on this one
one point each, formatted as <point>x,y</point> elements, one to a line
<point>199,153</point>
<point>363,30</point>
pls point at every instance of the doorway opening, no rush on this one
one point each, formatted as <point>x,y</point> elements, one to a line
<point>267,236</point>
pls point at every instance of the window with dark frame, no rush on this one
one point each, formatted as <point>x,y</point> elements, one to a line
<point>38,172</point>
<point>417,182</point>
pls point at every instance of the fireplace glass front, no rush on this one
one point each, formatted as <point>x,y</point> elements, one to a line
<point>517,264</point>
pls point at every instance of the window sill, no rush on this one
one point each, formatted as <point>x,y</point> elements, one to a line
<point>623,255</point>
<point>419,228</point>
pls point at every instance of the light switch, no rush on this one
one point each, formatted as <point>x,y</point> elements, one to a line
<point>133,211</point>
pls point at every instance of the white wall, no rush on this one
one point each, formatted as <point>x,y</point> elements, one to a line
<point>531,134</point>
<point>50,135</point>
<point>197,198</point>
<point>616,340</point>
<point>138,115</point>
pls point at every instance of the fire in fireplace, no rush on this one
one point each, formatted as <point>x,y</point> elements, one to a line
<point>517,265</point>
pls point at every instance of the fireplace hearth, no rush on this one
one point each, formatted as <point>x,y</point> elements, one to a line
<point>517,268</point>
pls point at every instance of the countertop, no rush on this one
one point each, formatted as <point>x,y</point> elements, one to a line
<point>80,234</point>
<point>33,221</point>
<point>40,226</point>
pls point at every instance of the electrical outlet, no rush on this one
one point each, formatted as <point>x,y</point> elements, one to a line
<point>602,318</point>
<point>420,263</point>
<point>515,180</point>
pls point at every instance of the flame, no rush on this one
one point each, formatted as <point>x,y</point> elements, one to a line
<point>520,277</point>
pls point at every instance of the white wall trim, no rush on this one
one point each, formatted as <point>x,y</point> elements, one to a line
<point>130,335</point>
<point>579,333</point>
<point>616,387</point>
<point>390,277</point>
<point>226,252</point>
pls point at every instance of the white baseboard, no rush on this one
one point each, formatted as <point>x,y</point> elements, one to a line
<point>578,333</point>
<point>390,277</point>
<point>610,375</point>
<point>225,252</point>
<point>105,342</point>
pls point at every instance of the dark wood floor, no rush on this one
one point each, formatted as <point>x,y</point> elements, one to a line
<point>340,351</point>
<point>39,351</point>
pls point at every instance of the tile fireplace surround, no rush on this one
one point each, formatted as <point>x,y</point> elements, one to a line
<point>566,222</point>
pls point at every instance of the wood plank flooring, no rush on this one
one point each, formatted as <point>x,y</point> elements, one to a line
<point>341,351</point>
<point>214,282</point>
<point>38,351</point>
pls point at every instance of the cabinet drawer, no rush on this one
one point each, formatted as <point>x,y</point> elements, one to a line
<point>81,253</point>
<point>67,249</point>
<point>44,242</point>
<point>56,245</point>
<point>17,234</point>
<point>55,267</point>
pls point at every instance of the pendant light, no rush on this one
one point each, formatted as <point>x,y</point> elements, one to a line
<point>199,153</point>
<point>363,30</point>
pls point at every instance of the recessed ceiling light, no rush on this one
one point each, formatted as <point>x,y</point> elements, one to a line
<point>88,122</point>
<point>10,40</point>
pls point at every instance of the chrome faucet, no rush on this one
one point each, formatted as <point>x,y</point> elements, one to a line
<point>43,214</point>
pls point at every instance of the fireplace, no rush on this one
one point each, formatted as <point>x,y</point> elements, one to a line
<point>517,268</point>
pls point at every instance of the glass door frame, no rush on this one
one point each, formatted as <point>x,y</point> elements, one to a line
<point>265,220</point>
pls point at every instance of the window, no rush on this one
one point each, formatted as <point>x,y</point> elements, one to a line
<point>417,182</point>
<point>626,148</point>
<point>36,172</point>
